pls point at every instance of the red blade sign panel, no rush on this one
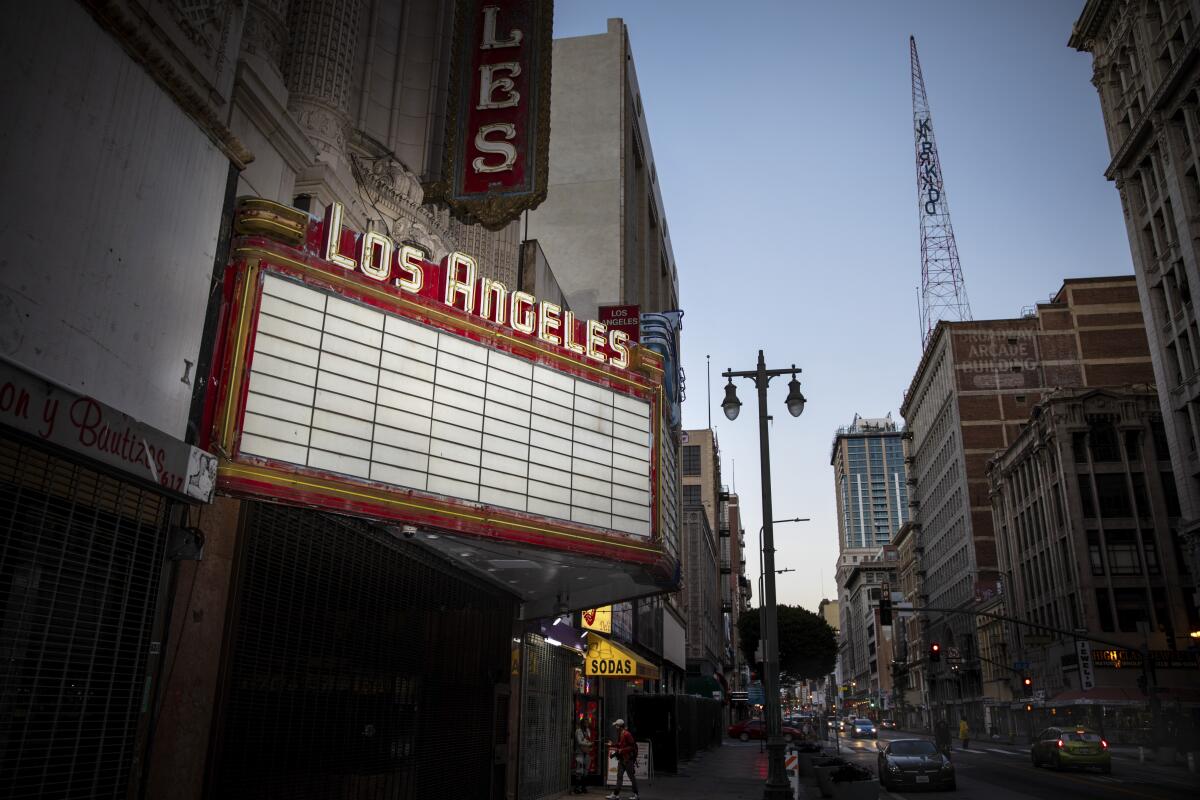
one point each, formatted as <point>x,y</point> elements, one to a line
<point>498,113</point>
<point>625,318</point>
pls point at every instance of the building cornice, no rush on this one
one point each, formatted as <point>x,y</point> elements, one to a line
<point>1146,125</point>
<point>1083,32</point>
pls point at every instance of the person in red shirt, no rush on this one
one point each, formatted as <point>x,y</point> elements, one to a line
<point>625,751</point>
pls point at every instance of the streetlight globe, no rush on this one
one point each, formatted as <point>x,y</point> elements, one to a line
<point>795,400</point>
<point>731,405</point>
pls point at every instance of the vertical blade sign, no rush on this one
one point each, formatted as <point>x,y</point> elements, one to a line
<point>498,111</point>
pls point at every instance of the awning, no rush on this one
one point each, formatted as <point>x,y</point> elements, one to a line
<point>606,659</point>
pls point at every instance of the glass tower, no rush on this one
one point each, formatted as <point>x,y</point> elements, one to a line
<point>872,493</point>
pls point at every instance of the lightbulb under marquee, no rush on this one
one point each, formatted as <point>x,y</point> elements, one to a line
<point>359,377</point>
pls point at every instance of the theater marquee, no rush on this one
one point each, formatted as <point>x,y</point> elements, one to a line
<point>360,378</point>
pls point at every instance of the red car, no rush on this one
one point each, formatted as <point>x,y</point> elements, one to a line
<point>757,729</point>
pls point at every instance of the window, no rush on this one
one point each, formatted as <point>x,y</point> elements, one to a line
<point>1158,433</point>
<point>1113,495</point>
<point>691,459</point>
<point>1122,548</point>
<point>1150,552</point>
<point>1139,494</point>
<point>1162,614</point>
<point>1132,608</point>
<point>1102,606</point>
<point>1086,500</point>
<point>1079,445</point>
<point>691,494</point>
<point>1105,445</point>
<point>1170,493</point>
<point>1094,553</point>
<point>1133,450</point>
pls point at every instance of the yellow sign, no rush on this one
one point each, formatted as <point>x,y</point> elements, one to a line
<point>597,619</point>
<point>607,659</point>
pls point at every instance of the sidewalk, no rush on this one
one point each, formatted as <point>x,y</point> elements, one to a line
<point>734,771</point>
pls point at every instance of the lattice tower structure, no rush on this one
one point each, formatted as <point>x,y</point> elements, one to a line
<point>943,294</point>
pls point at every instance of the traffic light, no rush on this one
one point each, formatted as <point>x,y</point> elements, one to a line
<point>885,604</point>
<point>1027,683</point>
<point>935,652</point>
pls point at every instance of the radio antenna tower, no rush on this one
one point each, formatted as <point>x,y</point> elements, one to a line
<point>943,295</point>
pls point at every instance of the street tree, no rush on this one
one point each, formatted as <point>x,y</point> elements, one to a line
<point>807,646</point>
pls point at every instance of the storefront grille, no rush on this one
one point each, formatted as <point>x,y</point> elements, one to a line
<point>361,666</point>
<point>80,559</point>
<point>546,718</point>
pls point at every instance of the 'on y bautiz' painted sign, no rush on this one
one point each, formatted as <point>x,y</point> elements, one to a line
<point>360,377</point>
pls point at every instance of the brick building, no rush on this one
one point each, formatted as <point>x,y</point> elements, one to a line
<point>971,396</point>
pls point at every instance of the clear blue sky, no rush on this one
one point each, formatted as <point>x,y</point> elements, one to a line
<point>782,133</point>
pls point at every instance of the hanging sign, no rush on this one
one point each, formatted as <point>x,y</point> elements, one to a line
<point>498,112</point>
<point>597,619</point>
<point>626,318</point>
<point>1087,675</point>
<point>606,659</point>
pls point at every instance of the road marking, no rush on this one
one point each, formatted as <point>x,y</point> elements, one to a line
<point>1003,752</point>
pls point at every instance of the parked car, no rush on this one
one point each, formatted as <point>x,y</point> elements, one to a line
<point>1071,747</point>
<point>888,724</point>
<point>912,763</point>
<point>757,729</point>
<point>862,728</point>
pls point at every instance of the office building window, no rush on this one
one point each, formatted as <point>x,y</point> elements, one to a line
<point>691,459</point>
<point>691,494</point>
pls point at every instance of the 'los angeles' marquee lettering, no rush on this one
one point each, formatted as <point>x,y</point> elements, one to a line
<point>459,285</point>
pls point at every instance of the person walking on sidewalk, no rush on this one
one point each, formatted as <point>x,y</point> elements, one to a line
<point>964,731</point>
<point>625,752</point>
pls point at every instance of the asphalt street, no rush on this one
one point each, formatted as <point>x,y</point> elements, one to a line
<point>1005,772</point>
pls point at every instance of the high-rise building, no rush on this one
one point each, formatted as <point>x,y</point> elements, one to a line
<point>603,225</point>
<point>869,481</point>
<point>971,396</point>
<point>1144,68</point>
<point>871,488</point>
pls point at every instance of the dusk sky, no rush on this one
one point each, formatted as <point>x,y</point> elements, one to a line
<point>782,134</point>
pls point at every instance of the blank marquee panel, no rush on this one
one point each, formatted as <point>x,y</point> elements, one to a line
<point>338,386</point>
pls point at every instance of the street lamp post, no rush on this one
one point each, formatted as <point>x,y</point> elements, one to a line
<point>776,787</point>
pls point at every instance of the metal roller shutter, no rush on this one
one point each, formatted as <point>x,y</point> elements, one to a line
<point>361,666</point>
<point>546,718</point>
<point>80,559</point>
